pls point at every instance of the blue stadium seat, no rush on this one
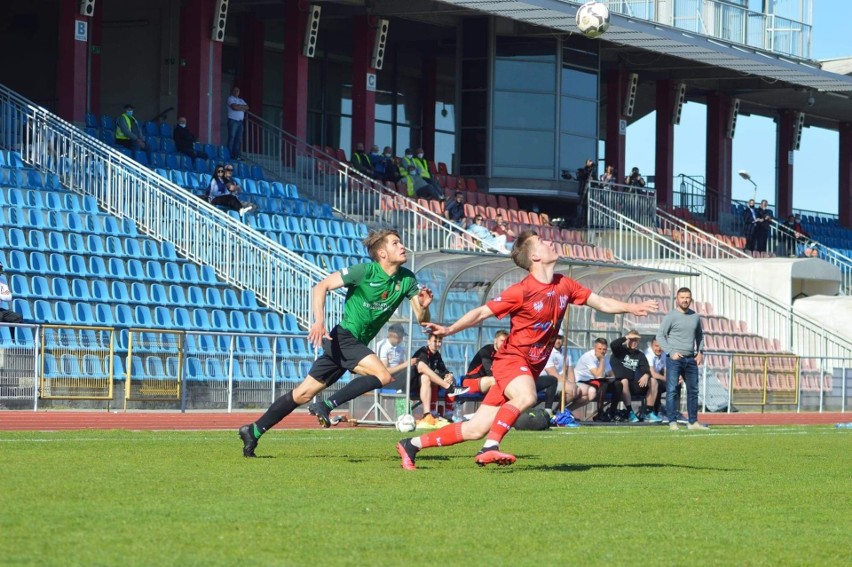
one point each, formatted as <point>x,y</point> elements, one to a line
<point>255,322</point>
<point>190,274</point>
<point>159,296</point>
<point>154,271</point>
<point>168,252</point>
<point>172,273</point>
<point>128,227</point>
<point>38,263</point>
<point>218,320</point>
<point>291,325</point>
<point>135,270</point>
<point>230,299</point>
<point>104,315</point>
<point>16,239</point>
<point>119,292</point>
<point>273,323</point>
<point>248,300</point>
<point>201,319</point>
<point>182,319</point>
<point>139,293</point>
<point>208,276</point>
<point>238,322</point>
<point>195,296</point>
<point>177,295</point>
<point>109,226</point>
<point>36,241</point>
<point>85,315</point>
<point>101,292</point>
<point>116,269</point>
<point>40,286</point>
<point>124,316</point>
<point>20,286</point>
<point>163,318</point>
<point>22,306</point>
<point>213,297</point>
<point>80,289</point>
<point>64,313</point>
<point>60,289</point>
<point>43,312</point>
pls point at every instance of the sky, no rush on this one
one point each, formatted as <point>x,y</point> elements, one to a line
<point>815,166</point>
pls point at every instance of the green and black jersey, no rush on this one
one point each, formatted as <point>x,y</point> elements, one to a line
<point>372,297</point>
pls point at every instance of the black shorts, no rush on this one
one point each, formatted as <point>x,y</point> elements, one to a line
<point>343,352</point>
<point>399,380</point>
<point>636,389</point>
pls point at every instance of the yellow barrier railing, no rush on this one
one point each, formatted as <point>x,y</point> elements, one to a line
<point>160,379</point>
<point>765,379</point>
<point>76,362</point>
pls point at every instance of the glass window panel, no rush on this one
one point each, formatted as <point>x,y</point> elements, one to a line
<point>579,83</point>
<point>522,172</point>
<point>315,129</point>
<point>383,134</point>
<point>579,116</point>
<point>575,150</point>
<point>524,110</point>
<point>445,147</point>
<point>315,84</point>
<point>409,101</point>
<point>523,148</point>
<point>526,48</point>
<point>384,96</point>
<point>474,108</point>
<point>525,75</point>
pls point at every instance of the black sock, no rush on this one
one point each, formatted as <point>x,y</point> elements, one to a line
<point>280,408</point>
<point>353,389</point>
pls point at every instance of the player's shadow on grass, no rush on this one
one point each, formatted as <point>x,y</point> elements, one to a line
<point>578,468</point>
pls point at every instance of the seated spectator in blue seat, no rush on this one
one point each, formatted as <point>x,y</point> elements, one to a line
<point>184,139</point>
<point>6,314</point>
<point>127,131</point>
<point>491,241</point>
<point>221,192</point>
<point>384,166</point>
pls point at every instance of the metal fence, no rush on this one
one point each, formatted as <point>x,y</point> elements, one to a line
<point>200,232</point>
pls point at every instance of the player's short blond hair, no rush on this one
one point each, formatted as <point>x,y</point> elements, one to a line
<point>376,240</point>
<point>521,249</point>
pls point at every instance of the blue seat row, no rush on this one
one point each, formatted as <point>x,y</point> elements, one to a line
<point>86,223</point>
<point>55,264</point>
<point>216,370</point>
<point>56,200</point>
<point>29,179</point>
<point>119,246</point>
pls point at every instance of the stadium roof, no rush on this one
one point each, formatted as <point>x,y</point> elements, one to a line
<point>651,36</point>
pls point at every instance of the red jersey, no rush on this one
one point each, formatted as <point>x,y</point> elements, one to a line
<point>536,310</point>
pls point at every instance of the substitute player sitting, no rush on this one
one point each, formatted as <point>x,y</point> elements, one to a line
<point>536,307</point>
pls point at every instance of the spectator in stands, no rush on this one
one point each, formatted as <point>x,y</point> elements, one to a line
<point>423,167</point>
<point>593,375</point>
<point>586,174</point>
<point>419,187</point>
<point>185,139</point>
<point>384,166</point>
<point>608,179</point>
<point>501,228</point>
<point>429,370</point>
<point>491,241</point>
<point>749,225</point>
<point>762,227</point>
<point>361,161</point>
<point>6,314</point>
<point>383,285</point>
<point>127,131</point>
<point>794,235</point>
<point>234,188</point>
<point>221,192</point>
<point>454,210</point>
<point>407,160</point>
<point>810,251</point>
<point>635,181</point>
<point>682,340</point>
<point>633,375</point>
<point>479,377</point>
<point>237,108</point>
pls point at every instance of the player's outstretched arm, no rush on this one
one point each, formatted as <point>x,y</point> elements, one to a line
<point>318,332</point>
<point>614,306</point>
<point>469,319</point>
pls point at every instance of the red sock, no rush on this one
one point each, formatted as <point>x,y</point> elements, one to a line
<point>473,384</point>
<point>444,437</point>
<point>503,422</point>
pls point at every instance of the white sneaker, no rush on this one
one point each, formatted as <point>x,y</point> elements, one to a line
<point>673,426</point>
<point>246,209</point>
<point>697,425</point>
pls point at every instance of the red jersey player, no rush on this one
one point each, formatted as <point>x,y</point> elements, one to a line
<point>536,306</point>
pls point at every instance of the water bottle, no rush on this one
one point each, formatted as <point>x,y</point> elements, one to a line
<point>844,425</point>
<point>458,414</point>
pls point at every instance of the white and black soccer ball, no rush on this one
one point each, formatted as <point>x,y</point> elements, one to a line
<point>592,19</point>
<point>405,423</point>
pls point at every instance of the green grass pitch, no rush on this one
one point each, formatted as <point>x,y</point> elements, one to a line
<point>588,496</point>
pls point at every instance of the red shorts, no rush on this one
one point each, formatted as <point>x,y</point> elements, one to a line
<point>506,369</point>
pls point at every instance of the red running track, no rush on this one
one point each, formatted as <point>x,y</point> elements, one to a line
<point>22,420</point>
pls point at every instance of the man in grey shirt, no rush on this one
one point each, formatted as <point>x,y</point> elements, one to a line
<point>682,340</point>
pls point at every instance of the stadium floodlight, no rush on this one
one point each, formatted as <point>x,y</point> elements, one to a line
<point>744,174</point>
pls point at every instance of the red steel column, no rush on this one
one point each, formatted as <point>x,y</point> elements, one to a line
<point>844,179</point>
<point>295,87</point>
<point>615,137</point>
<point>200,75</point>
<point>784,165</point>
<point>363,99</point>
<point>72,80</point>
<point>251,78</point>
<point>719,152</point>
<point>664,159</point>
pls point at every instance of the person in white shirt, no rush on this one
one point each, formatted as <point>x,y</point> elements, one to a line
<point>6,314</point>
<point>237,108</point>
<point>391,351</point>
<point>592,374</point>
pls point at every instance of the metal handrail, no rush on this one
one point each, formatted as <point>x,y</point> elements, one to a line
<point>782,241</point>
<point>349,192</point>
<point>643,245</point>
<point>124,188</point>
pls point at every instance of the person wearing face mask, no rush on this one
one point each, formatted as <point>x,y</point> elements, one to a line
<point>423,167</point>
<point>384,168</point>
<point>184,140</point>
<point>361,161</point>
<point>127,131</point>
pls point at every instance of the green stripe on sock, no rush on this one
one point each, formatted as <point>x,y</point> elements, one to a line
<point>257,432</point>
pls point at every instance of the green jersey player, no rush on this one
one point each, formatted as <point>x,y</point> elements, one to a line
<point>374,291</point>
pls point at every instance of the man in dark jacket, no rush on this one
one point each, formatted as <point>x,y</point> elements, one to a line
<point>184,140</point>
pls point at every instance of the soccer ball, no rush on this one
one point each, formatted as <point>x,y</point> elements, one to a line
<point>405,423</point>
<point>593,19</point>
